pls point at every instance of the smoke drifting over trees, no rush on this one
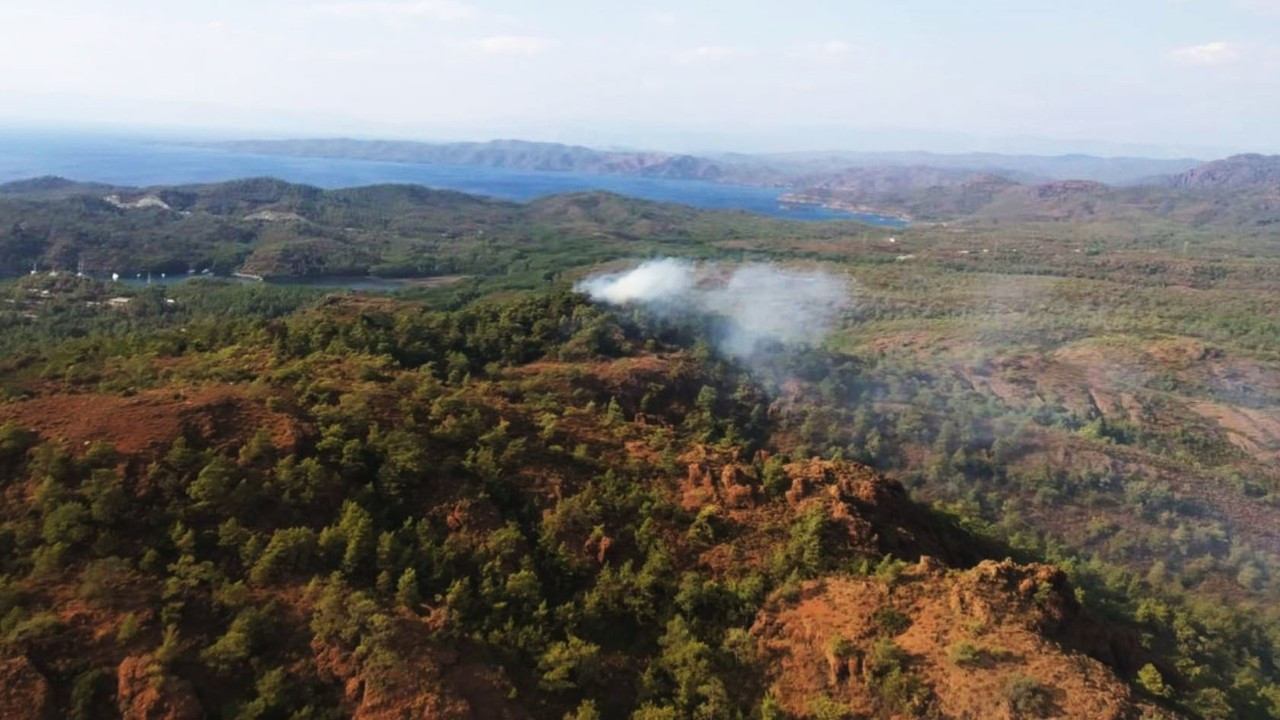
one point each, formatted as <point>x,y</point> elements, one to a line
<point>758,303</point>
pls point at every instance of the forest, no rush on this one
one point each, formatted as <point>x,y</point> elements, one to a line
<point>1032,468</point>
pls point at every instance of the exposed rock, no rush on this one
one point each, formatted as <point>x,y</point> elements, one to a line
<point>874,511</point>
<point>146,201</point>
<point>146,692</point>
<point>733,488</point>
<point>1000,611</point>
<point>429,680</point>
<point>274,216</point>
<point>698,488</point>
<point>24,692</point>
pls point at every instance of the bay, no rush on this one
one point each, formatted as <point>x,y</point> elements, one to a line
<point>138,161</point>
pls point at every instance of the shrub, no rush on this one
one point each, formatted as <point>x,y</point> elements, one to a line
<point>15,442</point>
<point>841,648</point>
<point>889,570</point>
<point>890,621</point>
<point>964,653</point>
<point>885,657</point>
<point>1027,696</point>
<point>43,626</point>
<point>824,708</point>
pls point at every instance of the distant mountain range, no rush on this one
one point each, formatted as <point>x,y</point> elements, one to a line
<point>1241,192</point>
<point>272,228</point>
<point>785,169</point>
<point>1233,173</point>
<point>1020,168</point>
<point>509,154</point>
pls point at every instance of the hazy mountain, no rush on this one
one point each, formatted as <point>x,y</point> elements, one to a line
<point>1236,194</point>
<point>510,154</point>
<point>888,179</point>
<point>1233,173</point>
<point>1023,168</point>
<point>799,168</point>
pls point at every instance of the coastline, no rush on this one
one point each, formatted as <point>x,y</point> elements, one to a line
<point>797,198</point>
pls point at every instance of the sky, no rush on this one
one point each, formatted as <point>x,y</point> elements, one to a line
<point>1153,77</point>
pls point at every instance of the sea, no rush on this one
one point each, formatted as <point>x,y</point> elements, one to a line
<point>139,161</point>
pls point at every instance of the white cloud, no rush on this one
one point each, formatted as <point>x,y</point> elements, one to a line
<point>1207,55</point>
<point>664,18</point>
<point>1265,7</point>
<point>706,53</point>
<point>444,10</point>
<point>831,48</point>
<point>830,52</point>
<point>512,44</point>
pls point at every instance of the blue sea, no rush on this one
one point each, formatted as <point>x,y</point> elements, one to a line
<point>141,162</point>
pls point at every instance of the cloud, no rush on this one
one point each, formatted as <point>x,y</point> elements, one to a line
<point>444,10</point>
<point>705,53</point>
<point>512,44</point>
<point>831,48</point>
<point>1206,55</point>
<point>1264,7</point>
<point>829,52</point>
<point>663,18</point>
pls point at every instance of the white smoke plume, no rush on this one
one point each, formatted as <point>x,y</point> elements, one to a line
<point>761,302</point>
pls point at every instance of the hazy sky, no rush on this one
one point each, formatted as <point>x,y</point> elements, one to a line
<point>713,74</point>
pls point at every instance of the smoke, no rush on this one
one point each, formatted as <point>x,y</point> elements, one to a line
<point>759,304</point>
<point>656,281</point>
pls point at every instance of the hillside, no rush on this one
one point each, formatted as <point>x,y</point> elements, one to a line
<point>274,229</point>
<point>1098,401</point>
<point>364,508</point>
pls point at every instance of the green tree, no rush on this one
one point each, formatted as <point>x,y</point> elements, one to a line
<point>1150,679</point>
<point>407,593</point>
<point>566,665</point>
